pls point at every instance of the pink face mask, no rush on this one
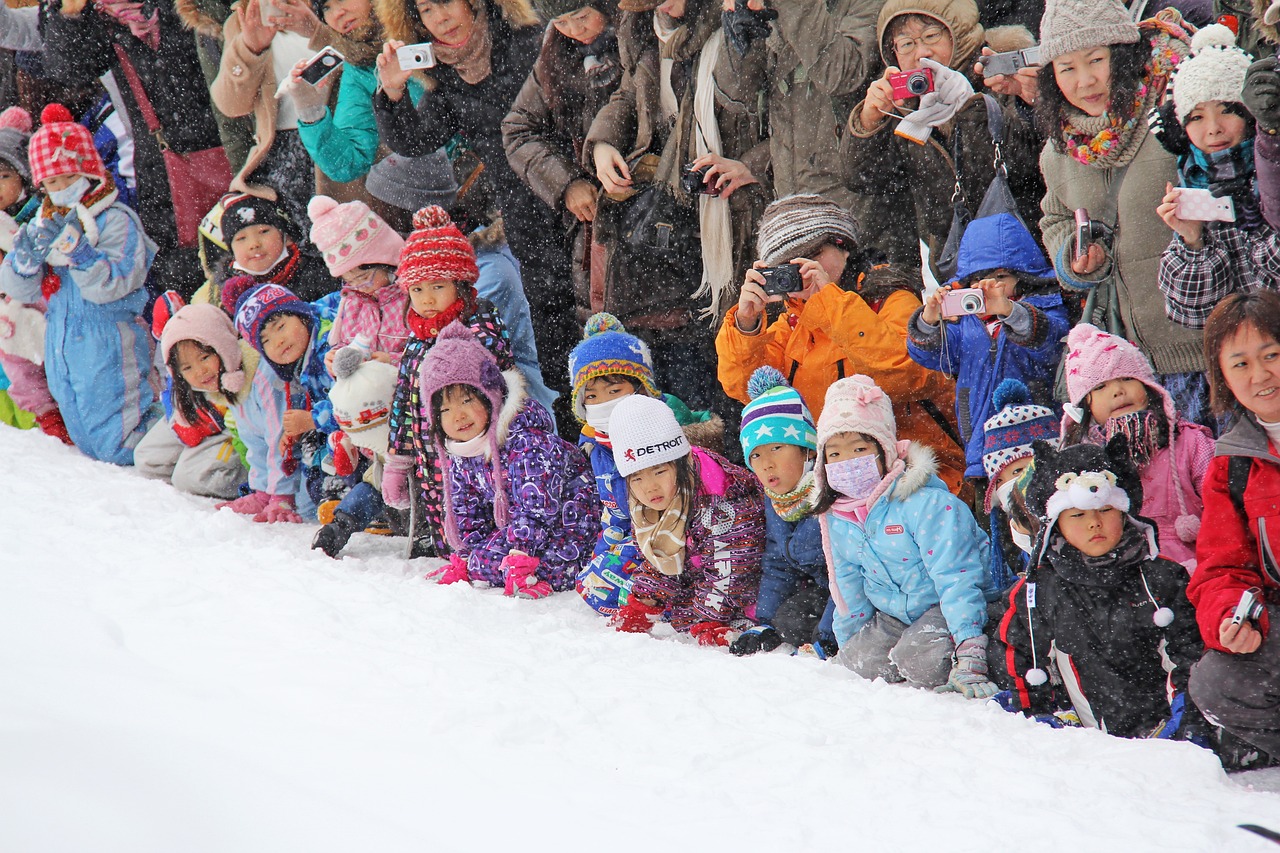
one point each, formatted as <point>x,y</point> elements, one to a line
<point>854,478</point>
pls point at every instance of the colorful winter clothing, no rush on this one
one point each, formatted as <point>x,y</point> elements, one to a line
<point>303,273</point>
<point>351,235</point>
<point>436,250</point>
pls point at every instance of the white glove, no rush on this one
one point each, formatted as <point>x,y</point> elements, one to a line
<point>951,90</point>
<point>310,101</point>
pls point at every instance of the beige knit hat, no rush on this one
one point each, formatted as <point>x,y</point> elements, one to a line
<point>796,226</point>
<point>1070,25</point>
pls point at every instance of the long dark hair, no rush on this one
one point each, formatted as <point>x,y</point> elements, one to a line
<point>1260,309</point>
<point>1128,65</point>
<point>186,400</point>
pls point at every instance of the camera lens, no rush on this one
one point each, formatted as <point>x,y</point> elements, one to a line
<point>329,61</point>
<point>917,83</point>
<point>971,304</point>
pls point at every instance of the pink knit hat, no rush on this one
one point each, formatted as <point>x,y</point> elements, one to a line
<point>1094,357</point>
<point>458,358</point>
<point>857,404</point>
<point>62,147</point>
<point>209,325</point>
<point>351,235</point>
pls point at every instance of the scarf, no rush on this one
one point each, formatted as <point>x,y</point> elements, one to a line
<point>660,534</point>
<point>284,270</point>
<point>797,503</point>
<point>471,60</point>
<point>130,13</point>
<point>1105,141</point>
<point>426,328</point>
<point>1147,431</point>
<point>1227,173</point>
<point>1109,570</point>
<point>106,187</point>
<point>714,220</point>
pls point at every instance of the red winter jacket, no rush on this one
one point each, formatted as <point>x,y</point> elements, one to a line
<point>1227,553</point>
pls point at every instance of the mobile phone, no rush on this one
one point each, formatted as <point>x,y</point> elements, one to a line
<point>1199,205</point>
<point>962,301</point>
<point>782,279</point>
<point>911,84</point>
<point>416,56</point>
<point>324,63</point>
<point>1010,61</point>
<point>1084,234</point>
<point>1250,606</point>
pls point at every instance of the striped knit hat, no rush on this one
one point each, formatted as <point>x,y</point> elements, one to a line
<point>436,250</point>
<point>775,415</point>
<point>797,226</point>
<point>1010,431</point>
<point>607,350</point>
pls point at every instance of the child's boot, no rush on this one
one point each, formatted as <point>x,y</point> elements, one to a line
<point>454,571</point>
<point>333,537</point>
<point>521,575</point>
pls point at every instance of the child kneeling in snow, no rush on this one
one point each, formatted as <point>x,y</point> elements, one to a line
<point>908,561</point>
<point>520,503</point>
<point>698,521</point>
<point>1099,605</point>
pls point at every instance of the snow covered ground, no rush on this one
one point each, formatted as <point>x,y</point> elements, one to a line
<point>175,679</point>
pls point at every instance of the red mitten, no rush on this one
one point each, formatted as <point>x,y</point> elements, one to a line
<point>51,424</point>
<point>712,633</point>
<point>278,508</point>
<point>636,617</point>
<point>251,504</point>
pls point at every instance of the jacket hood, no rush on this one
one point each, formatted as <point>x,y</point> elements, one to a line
<point>203,16</point>
<point>921,468</point>
<point>1246,438</point>
<point>1000,242</point>
<point>400,19</point>
<point>960,17</point>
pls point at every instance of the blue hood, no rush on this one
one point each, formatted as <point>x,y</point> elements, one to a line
<point>1000,242</point>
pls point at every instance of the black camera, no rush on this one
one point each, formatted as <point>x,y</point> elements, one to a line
<point>693,181</point>
<point>781,280</point>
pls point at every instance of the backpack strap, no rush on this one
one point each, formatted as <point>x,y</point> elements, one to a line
<point>1238,468</point>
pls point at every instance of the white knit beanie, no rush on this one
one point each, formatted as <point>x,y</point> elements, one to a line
<point>1069,25</point>
<point>645,433</point>
<point>1214,71</point>
<point>857,404</point>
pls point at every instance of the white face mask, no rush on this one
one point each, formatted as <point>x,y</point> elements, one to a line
<point>598,414</point>
<point>1003,493</point>
<point>67,196</point>
<point>1022,540</point>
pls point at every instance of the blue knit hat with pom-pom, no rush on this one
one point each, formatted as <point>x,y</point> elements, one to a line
<point>1010,431</point>
<point>775,415</point>
<point>607,350</point>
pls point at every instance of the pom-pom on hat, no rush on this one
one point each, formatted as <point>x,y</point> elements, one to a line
<point>1008,433</point>
<point>644,432</point>
<point>63,147</point>
<point>1094,357</point>
<point>857,404</point>
<point>206,324</point>
<point>797,226</point>
<point>436,250</point>
<point>775,415</point>
<point>351,235</point>
<point>15,135</point>
<point>255,307</point>
<point>608,350</point>
<point>1214,72</point>
<point>1070,25</point>
<point>361,397</point>
<point>241,211</point>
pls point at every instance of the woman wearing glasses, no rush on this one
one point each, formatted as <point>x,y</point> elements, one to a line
<point>914,137</point>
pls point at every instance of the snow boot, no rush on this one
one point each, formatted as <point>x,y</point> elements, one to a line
<point>333,537</point>
<point>51,423</point>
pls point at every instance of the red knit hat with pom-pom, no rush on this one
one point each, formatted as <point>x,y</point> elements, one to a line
<point>63,147</point>
<point>15,132</point>
<point>436,250</point>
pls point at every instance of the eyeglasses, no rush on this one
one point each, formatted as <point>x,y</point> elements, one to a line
<point>907,46</point>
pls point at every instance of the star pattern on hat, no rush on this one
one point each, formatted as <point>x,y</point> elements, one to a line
<point>791,432</point>
<point>764,430</point>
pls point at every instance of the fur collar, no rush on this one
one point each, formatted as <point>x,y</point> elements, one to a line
<point>196,17</point>
<point>400,18</point>
<point>512,404</point>
<point>921,467</point>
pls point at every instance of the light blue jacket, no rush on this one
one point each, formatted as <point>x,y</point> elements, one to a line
<point>500,283</point>
<point>919,547</point>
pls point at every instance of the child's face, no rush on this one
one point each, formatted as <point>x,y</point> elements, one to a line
<point>1250,362</point>
<point>1012,471</point>
<point>779,466</point>
<point>606,389</point>
<point>367,279</point>
<point>655,487</point>
<point>59,182</point>
<point>1117,397</point>
<point>10,186</point>
<point>1093,531</point>
<point>257,248</point>
<point>430,298</point>
<point>1212,127</point>
<point>285,338</point>
<point>850,445</point>
<point>463,415</point>
<point>198,367</point>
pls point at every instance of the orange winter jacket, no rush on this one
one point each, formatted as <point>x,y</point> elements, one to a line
<point>837,334</point>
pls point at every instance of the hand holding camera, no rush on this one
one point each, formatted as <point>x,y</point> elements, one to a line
<point>1015,72</point>
<point>392,77</point>
<point>721,175</point>
<point>800,279</point>
<point>1088,247</point>
<point>1239,632</point>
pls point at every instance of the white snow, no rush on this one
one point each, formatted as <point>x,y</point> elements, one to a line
<point>178,679</point>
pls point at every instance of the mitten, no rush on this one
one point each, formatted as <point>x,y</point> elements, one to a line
<point>44,233</point>
<point>1165,127</point>
<point>520,571</point>
<point>712,633</point>
<point>454,571</point>
<point>77,249</point>
<point>969,672</point>
<point>1261,94</point>
<point>251,504</point>
<point>395,481</point>
<point>1243,201</point>
<point>52,424</point>
<point>759,638</point>
<point>23,258</point>
<point>951,90</point>
<point>278,508</point>
<point>636,617</point>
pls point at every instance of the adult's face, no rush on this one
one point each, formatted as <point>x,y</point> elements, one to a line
<point>449,22</point>
<point>1084,76</point>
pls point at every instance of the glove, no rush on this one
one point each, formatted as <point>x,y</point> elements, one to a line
<point>636,617</point>
<point>251,504</point>
<point>712,633</point>
<point>969,672</point>
<point>395,482</point>
<point>951,90</point>
<point>522,581</point>
<point>310,101</point>
<point>44,233</point>
<point>25,260</point>
<point>76,248</point>
<point>760,638</point>
<point>1164,124</point>
<point>455,571</point>
<point>743,26</point>
<point>1261,94</point>
<point>278,508</point>
<point>1243,200</point>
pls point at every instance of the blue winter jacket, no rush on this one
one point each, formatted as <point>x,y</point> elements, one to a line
<point>792,555</point>
<point>965,350</point>
<point>919,547</point>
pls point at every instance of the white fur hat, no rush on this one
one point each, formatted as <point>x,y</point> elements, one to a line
<point>1214,72</point>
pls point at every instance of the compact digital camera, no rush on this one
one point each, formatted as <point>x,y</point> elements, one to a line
<point>416,56</point>
<point>1010,61</point>
<point>965,300</point>
<point>694,181</point>
<point>911,84</point>
<point>782,279</point>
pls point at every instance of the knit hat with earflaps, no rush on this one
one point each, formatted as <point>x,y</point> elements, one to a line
<point>351,235</point>
<point>1215,71</point>
<point>797,226</point>
<point>858,404</point>
<point>775,415</point>
<point>361,397</point>
<point>1070,25</point>
<point>15,136</point>
<point>608,350</point>
<point>458,358</point>
<point>255,305</point>
<point>1008,433</point>
<point>436,250</point>
<point>209,325</point>
<point>63,147</point>
<point>645,433</point>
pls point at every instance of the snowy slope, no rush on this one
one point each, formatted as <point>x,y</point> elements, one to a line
<point>175,679</point>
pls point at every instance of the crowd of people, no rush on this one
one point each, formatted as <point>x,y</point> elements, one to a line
<point>626,299</point>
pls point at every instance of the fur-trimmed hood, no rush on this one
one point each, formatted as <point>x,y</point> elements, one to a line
<point>921,466</point>
<point>202,16</point>
<point>708,434</point>
<point>400,18</point>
